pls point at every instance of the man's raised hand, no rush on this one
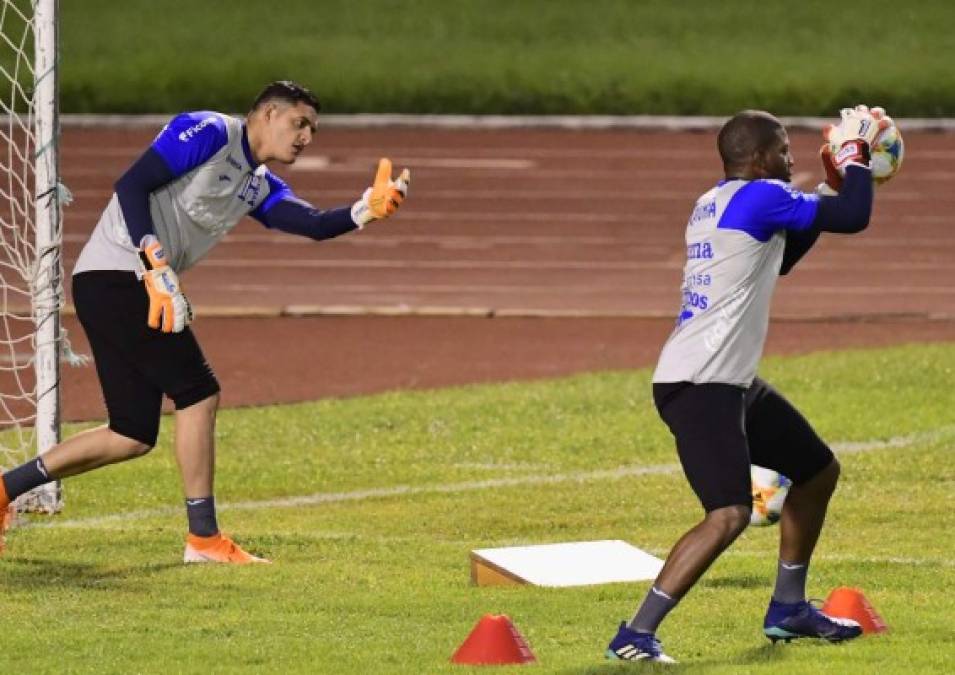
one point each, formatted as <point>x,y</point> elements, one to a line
<point>384,197</point>
<point>169,310</point>
<point>851,140</point>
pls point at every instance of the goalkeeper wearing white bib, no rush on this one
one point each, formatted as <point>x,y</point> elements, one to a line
<point>201,175</point>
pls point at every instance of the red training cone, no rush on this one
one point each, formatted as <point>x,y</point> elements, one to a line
<point>494,640</point>
<point>850,603</point>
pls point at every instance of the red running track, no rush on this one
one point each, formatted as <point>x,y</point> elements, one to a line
<point>523,222</point>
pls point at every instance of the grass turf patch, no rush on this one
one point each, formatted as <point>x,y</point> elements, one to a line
<point>380,584</point>
<point>541,56</point>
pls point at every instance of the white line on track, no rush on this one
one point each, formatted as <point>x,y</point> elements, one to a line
<point>934,289</point>
<point>505,289</point>
<point>462,218</point>
<point>846,448</point>
<point>444,264</point>
<point>330,196</point>
<point>323,163</point>
<point>378,240</point>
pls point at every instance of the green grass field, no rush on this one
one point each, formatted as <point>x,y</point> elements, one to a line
<point>377,582</point>
<point>500,56</point>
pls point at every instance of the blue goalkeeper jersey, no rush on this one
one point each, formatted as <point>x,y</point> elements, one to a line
<point>735,239</point>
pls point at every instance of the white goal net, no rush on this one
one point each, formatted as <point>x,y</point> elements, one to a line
<point>31,274</point>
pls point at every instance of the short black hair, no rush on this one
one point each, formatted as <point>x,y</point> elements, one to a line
<point>288,91</point>
<point>746,133</point>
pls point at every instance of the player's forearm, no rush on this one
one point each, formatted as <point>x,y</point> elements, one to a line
<point>850,210</point>
<point>300,218</point>
<point>133,188</point>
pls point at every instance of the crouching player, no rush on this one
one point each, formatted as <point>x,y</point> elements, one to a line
<point>742,234</point>
<point>201,175</point>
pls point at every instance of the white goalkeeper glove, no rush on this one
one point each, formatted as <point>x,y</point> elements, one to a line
<point>850,141</point>
<point>169,310</point>
<point>384,197</point>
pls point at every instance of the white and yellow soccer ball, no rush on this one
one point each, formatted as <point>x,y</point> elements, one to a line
<point>887,155</point>
<point>769,494</point>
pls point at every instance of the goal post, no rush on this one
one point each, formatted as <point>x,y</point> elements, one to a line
<point>31,235</point>
<point>48,289</point>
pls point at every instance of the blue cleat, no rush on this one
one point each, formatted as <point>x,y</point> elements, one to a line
<point>787,622</point>
<point>629,645</point>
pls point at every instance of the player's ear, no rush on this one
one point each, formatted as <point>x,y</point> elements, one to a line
<point>760,163</point>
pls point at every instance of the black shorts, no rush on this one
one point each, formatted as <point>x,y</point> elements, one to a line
<point>137,364</point>
<point>720,429</point>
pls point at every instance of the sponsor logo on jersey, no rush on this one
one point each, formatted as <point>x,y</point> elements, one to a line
<point>694,299</point>
<point>695,279</point>
<point>250,191</point>
<point>233,162</point>
<point>700,249</point>
<point>703,211</point>
<point>713,338</point>
<point>187,135</point>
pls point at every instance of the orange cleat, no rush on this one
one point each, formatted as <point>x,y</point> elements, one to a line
<point>7,516</point>
<point>217,549</point>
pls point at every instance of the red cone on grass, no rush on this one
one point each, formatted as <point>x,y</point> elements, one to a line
<point>495,640</point>
<point>850,603</point>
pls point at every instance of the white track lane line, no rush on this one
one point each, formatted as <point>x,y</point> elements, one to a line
<point>455,240</point>
<point>324,163</point>
<point>96,522</point>
<point>310,263</point>
<point>454,289</point>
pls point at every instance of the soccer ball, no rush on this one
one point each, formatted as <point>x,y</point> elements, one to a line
<point>769,492</point>
<point>886,155</point>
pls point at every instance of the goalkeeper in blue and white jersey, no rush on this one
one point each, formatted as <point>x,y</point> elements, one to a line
<point>741,235</point>
<point>199,177</point>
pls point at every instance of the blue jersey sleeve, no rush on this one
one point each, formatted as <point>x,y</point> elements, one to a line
<point>190,139</point>
<point>278,191</point>
<point>763,207</point>
<point>133,188</point>
<point>282,210</point>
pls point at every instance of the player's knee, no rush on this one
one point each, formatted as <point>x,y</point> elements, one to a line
<point>212,402</point>
<point>124,447</point>
<point>204,408</point>
<point>730,521</point>
<point>832,472</point>
<point>826,479</point>
<point>202,395</point>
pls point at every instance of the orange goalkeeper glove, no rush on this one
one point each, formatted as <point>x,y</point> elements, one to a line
<point>169,310</point>
<point>384,197</point>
